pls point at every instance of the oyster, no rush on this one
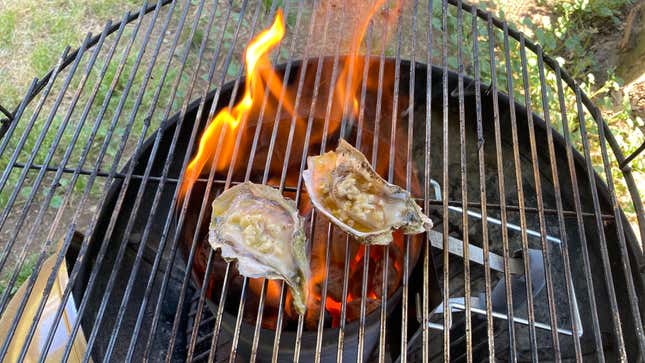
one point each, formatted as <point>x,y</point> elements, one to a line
<point>255,225</point>
<point>343,186</point>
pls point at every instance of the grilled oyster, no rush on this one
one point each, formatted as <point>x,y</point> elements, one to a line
<point>255,225</point>
<point>344,187</point>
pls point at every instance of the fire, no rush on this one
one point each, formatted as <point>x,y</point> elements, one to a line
<point>260,74</point>
<point>335,276</point>
<point>217,142</point>
<point>258,68</point>
<point>351,76</point>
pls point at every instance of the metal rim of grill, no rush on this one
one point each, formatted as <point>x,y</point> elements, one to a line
<point>159,50</point>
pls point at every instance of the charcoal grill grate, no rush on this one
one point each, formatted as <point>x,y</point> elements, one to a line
<point>76,147</point>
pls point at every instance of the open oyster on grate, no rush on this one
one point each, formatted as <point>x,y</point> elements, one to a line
<point>255,225</point>
<point>344,187</point>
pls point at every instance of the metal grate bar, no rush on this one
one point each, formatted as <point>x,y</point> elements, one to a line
<point>161,185</point>
<point>359,133</point>
<point>40,84</point>
<point>265,177</point>
<point>445,254</point>
<point>330,228</point>
<point>7,113</point>
<point>464,185</point>
<point>9,128</point>
<point>256,333</point>
<point>343,127</point>
<point>427,190</point>
<point>5,176</point>
<point>482,190</point>
<point>227,184</point>
<point>280,318</point>
<point>609,279</point>
<point>189,261</point>
<point>408,178</point>
<point>553,64</point>
<point>156,262</point>
<point>182,216</point>
<point>384,287</point>
<point>75,271</point>
<point>502,192</point>
<point>553,315</point>
<point>453,203</point>
<point>54,183</point>
<point>120,254</point>
<point>631,291</point>
<point>298,194</point>
<point>38,181</point>
<point>84,198</point>
<point>563,248</point>
<point>520,192</point>
<point>5,297</point>
<point>459,61</point>
<point>175,197</point>
<point>200,306</point>
<point>21,143</point>
<point>580,222</point>
<point>68,192</point>
<point>633,299</point>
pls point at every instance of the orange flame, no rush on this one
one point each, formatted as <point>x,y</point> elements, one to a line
<point>351,75</point>
<point>258,67</point>
<point>218,141</point>
<point>353,63</point>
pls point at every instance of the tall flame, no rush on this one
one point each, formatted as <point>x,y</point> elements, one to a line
<point>351,75</point>
<point>215,152</point>
<point>258,67</point>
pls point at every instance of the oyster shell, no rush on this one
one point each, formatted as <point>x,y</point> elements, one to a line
<point>344,187</point>
<point>255,225</point>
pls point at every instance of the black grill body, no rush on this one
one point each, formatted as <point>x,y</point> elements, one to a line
<point>531,257</point>
<point>169,302</point>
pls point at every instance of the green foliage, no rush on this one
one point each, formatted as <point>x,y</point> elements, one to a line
<point>112,80</point>
<point>7,27</point>
<point>566,36</point>
<point>25,271</point>
<point>569,37</point>
<point>42,58</point>
<point>267,4</point>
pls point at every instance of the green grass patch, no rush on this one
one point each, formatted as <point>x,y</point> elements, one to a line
<point>42,58</point>
<point>25,271</point>
<point>7,27</point>
<point>105,9</point>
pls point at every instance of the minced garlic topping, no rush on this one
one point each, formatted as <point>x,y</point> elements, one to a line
<point>258,231</point>
<point>356,205</point>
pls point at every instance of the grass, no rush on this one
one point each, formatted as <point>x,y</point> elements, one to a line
<point>23,275</point>
<point>33,33</point>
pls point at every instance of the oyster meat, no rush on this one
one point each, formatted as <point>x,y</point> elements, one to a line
<point>255,225</point>
<point>344,187</point>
